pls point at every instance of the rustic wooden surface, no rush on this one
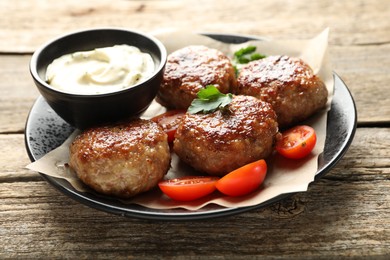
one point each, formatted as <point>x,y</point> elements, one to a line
<point>346,214</point>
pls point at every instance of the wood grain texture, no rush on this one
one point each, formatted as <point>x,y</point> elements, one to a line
<point>366,71</point>
<point>17,92</point>
<point>343,214</point>
<point>27,24</point>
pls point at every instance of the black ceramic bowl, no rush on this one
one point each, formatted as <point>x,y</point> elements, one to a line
<point>85,110</point>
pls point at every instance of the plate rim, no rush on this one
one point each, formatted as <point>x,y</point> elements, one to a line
<point>155,214</point>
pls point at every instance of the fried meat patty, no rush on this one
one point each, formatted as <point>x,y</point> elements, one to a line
<point>219,142</point>
<point>121,160</point>
<point>190,69</point>
<point>289,84</point>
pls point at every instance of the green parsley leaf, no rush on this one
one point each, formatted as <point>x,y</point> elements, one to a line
<point>244,51</point>
<point>247,54</point>
<point>210,92</point>
<point>209,100</point>
<point>257,56</point>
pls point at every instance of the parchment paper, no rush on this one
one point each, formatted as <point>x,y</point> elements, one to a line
<point>283,175</point>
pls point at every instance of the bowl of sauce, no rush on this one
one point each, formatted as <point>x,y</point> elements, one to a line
<point>99,76</point>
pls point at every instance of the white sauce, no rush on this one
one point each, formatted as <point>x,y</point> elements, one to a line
<point>98,71</point>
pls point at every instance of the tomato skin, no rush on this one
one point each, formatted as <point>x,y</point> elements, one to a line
<point>297,142</point>
<point>170,121</point>
<point>189,187</point>
<point>243,180</point>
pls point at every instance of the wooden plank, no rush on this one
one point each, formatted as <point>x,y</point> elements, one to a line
<point>17,92</point>
<point>348,211</point>
<point>13,159</point>
<point>366,71</point>
<point>41,223</point>
<point>27,24</point>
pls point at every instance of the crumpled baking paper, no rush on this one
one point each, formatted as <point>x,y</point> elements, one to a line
<point>283,175</point>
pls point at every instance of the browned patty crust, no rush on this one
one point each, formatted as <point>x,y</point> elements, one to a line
<point>219,142</point>
<point>190,69</point>
<point>121,160</point>
<point>287,83</point>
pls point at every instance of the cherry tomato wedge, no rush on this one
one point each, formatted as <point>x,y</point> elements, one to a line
<point>189,187</point>
<point>169,121</point>
<point>297,142</point>
<point>243,180</point>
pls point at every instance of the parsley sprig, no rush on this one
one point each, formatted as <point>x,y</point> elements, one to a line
<point>247,54</point>
<point>244,56</point>
<point>209,100</point>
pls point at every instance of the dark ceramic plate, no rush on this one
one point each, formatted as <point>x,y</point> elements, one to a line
<point>45,131</point>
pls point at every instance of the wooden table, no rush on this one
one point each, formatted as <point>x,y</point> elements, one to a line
<point>344,214</point>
